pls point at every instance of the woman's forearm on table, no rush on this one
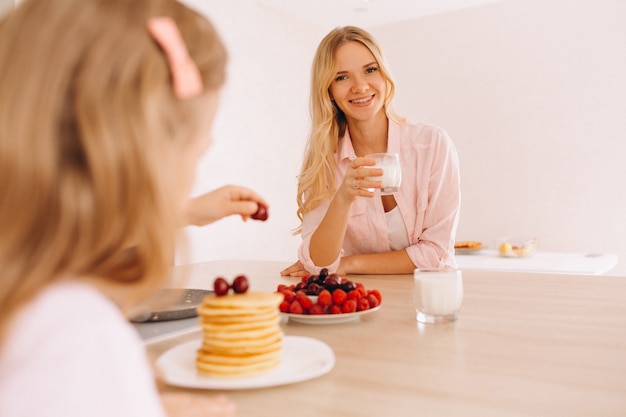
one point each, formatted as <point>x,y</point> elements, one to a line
<point>327,239</point>
<point>396,262</point>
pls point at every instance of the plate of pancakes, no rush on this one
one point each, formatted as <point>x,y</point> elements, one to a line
<point>467,247</point>
<point>328,318</point>
<point>243,346</point>
<point>301,359</point>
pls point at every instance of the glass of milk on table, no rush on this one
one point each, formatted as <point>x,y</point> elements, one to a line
<point>392,173</point>
<point>438,295</point>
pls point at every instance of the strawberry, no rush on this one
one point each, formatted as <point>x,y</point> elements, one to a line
<point>281,287</point>
<point>339,297</point>
<point>349,306</point>
<point>324,298</point>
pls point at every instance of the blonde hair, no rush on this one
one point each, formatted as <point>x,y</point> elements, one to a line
<point>316,181</point>
<point>90,131</point>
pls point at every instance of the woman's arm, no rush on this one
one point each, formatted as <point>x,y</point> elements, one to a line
<point>395,262</point>
<point>433,242</point>
<point>327,239</point>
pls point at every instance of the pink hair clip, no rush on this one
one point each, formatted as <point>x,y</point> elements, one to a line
<point>185,74</point>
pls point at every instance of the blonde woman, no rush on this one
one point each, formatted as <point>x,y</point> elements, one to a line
<point>346,228</point>
<point>106,107</point>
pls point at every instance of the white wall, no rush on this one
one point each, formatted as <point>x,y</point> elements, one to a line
<point>260,130</point>
<point>532,92</point>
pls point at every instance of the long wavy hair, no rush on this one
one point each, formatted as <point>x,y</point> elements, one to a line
<point>90,134</point>
<point>316,181</point>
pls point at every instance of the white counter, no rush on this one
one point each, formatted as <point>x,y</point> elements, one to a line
<point>551,262</point>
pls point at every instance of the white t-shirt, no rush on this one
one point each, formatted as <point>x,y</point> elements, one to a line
<point>71,353</point>
<point>396,230</point>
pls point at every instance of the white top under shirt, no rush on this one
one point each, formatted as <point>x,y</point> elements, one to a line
<point>396,230</point>
<point>71,353</point>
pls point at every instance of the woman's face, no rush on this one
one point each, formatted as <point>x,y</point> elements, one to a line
<point>358,87</point>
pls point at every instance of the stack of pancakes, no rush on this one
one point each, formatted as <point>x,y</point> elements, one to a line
<point>241,334</point>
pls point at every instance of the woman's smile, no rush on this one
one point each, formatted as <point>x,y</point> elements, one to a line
<point>362,101</point>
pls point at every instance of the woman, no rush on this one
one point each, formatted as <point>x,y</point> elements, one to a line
<point>346,228</point>
<point>106,107</point>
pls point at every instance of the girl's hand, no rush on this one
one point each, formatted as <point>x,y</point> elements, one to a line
<point>222,202</point>
<point>355,182</point>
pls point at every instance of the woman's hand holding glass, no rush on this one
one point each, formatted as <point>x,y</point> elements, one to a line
<point>356,182</point>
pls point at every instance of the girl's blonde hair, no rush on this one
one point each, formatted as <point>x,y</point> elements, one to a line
<point>317,176</point>
<point>90,131</point>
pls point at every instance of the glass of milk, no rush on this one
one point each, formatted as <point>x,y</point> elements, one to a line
<point>392,173</point>
<point>438,295</point>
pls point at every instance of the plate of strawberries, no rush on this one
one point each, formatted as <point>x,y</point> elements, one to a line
<point>327,299</point>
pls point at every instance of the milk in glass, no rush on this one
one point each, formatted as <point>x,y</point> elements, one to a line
<point>438,295</point>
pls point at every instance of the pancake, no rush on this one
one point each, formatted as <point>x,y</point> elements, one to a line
<point>241,334</point>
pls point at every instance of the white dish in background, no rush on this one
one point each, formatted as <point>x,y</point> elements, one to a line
<point>302,358</point>
<point>467,251</point>
<point>328,318</point>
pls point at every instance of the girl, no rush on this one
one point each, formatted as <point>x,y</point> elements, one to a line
<point>106,107</point>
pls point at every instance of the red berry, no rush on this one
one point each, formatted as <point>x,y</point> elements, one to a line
<point>339,296</point>
<point>305,302</point>
<point>284,306</point>
<point>261,212</point>
<point>362,290</point>
<point>349,306</point>
<point>316,309</point>
<point>295,308</point>
<point>373,301</point>
<point>376,294</point>
<point>240,284</point>
<point>354,295</point>
<point>324,298</point>
<point>281,287</point>
<point>288,294</point>
<point>362,304</point>
<point>335,309</point>
<point>220,286</point>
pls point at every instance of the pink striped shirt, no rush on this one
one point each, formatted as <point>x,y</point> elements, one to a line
<point>429,201</point>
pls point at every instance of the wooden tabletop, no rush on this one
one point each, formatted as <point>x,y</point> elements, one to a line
<point>525,344</point>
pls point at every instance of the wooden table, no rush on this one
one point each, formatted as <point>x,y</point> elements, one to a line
<point>525,345</point>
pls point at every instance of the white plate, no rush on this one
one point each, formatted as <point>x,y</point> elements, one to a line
<point>467,251</point>
<point>328,318</point>
<point>302,358</point>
